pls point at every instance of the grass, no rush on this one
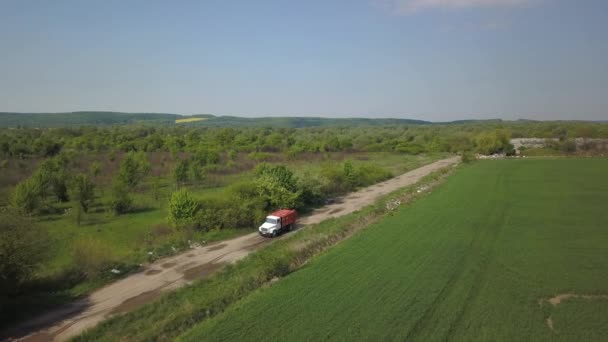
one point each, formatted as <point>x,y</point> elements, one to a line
<point>475,260</point>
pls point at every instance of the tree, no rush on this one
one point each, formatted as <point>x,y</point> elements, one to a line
<point>26,196</point>
<point>180,172</point>
<point>83,191</point>
<point>95,169</point>
<point>196,173</point>
<point>51,177</point>
<point>350,174</point>
<point>133,168</point>
<point>496,141</point>
<point>277,185</point>
<point>22,249</point>
<point>120,201</point>
<point>183,208</point>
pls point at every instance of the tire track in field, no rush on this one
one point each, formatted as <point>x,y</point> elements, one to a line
<point>479,255</point>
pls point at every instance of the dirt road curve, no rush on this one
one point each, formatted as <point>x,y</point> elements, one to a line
<point>170,273</point>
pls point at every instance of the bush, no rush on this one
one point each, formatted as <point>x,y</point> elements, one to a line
<point>370,174</point>
<point>183,209</point>
<point>467,157</point>
<point>92,258</point>
<point>277,185</point>
<point>120,201</point>
<point>22,249</point>
<point>311,191</point>
<point>25,198</point>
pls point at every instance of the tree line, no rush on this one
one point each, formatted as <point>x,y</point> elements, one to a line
<point>413,139</point>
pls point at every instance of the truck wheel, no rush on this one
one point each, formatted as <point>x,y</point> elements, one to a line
<point>274,234</point>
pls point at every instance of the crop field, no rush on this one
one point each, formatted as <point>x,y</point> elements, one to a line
<point>512,250</point>
<point>179,121</point>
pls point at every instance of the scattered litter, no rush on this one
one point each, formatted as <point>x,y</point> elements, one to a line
<point>422,188</point>
<point>393,204</point>
<point>150,253</point>
<point>115,271</point>
<point>174,249</point>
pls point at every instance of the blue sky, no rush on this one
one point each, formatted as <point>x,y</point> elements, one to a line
<point>425,59</point>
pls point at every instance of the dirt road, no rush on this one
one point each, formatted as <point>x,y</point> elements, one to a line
<point>170,273</point>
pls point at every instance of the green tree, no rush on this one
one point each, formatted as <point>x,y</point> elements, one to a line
<point>183,208</point>
<point>350,174</point>
<point>22,249</point>
<point>83,191</point>
<point>180,172</point>
<point>26,196</point>
<point>120,201</point>
<point>496,141</point>
<point>277,185</point>
<point>196,173</point>
<point>133,168</point>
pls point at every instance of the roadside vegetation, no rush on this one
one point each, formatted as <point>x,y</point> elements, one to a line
<point>211,296</point>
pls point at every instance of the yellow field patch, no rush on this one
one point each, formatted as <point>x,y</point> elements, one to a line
<point>189,120</point>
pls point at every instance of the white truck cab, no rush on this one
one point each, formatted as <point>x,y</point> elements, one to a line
<point>271,226</point>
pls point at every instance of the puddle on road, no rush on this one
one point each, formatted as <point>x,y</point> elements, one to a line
<point>336,211</point>
<point>168,265</point>
<point>217,247</point>
<point>137,301</point>
<point>152,272</point>
<point>190,255</point>
<point>201,270</point>
<point>181,268</point>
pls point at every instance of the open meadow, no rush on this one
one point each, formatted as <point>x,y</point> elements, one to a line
<point>512,250</point>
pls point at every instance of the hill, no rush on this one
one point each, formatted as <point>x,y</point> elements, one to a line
<point>119,118</point>
<point>82,119</point>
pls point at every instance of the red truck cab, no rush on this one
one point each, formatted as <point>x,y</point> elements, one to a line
<point>278,222</point>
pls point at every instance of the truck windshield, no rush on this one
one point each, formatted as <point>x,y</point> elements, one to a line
<point>271,220</point>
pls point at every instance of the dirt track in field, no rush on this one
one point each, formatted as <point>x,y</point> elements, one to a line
<point>170,273</point>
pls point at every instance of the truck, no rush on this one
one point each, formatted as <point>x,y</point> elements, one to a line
<point>278,222</point>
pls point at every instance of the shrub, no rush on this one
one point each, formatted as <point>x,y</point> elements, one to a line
<point>277,185</point>
<point>370,174</point>
<point>25,198</point>
<point>311,191</point>
<point>120,201</point>
<point>183,209</point>
<point>22,249</point>
<point>467,157</point>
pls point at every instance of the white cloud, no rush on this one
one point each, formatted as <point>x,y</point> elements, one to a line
<point>411,6</point>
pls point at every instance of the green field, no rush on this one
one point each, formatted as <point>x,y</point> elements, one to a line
<point>477,259</point>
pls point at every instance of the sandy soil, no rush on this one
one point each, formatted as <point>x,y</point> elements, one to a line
<point>170,273</point>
